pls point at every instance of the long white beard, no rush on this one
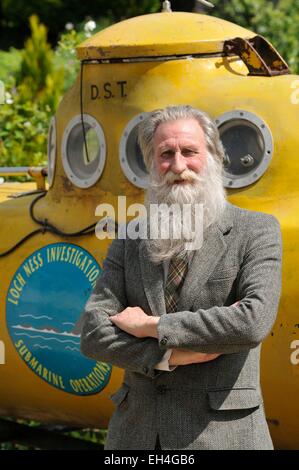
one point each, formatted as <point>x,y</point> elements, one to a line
<point>204,189</point>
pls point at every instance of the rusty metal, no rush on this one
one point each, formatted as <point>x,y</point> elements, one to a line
<point>39,174</point>
<point>260,57</point>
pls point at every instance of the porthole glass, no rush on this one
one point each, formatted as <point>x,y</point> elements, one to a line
<point>130,154</point>
<point>51,150</point>
<point>248,145</point>
<point>83,161</point>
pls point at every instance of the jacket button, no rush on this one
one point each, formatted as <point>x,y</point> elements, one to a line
<point>163,341</point>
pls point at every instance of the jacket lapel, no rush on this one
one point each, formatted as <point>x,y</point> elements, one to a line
<point>153,280</point>
<point>206,258</point>
<point>202,265</point>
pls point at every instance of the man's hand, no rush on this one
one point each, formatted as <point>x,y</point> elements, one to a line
<point>136,322</point>
<point>182,357</point>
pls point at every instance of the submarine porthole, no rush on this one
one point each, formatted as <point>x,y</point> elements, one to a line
<point>130,154</point>
<point>51,150</point>
<point>248,145</point>
<point>83,151</point>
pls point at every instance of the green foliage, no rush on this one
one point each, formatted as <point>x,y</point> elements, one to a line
<point>9,64</point>
<point>23,133</point>
<point>35,81</point>
<point>97,436</point>
<point>37,57</point>
<point>38,79</point>
<point>35,91</point>
<point>281,26</point>
<point>65,55</point>
<point>241,12</point>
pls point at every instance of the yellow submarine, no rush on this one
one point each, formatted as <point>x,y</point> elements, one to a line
<point>50,256</point>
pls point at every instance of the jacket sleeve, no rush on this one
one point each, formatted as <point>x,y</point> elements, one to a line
<point>100,338</point>
<point>235,328</point>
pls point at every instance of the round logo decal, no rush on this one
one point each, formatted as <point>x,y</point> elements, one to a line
<point>43,308</point>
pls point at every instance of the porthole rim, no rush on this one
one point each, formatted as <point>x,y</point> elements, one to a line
<point>264,129</point>
<point>136,180</point>
<point>93,122</point>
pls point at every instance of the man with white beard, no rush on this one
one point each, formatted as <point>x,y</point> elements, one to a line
<point>192,176</point>
<point>187,324</point>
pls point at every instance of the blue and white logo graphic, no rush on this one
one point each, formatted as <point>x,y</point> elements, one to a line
<point>45,299</point>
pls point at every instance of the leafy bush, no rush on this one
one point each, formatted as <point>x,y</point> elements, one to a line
<point>35,81</point>
<point>35,89</point>
<point>23,133</point>
<point>9,63</point>
<point>38,79</point>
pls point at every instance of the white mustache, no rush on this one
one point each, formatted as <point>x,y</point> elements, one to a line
<point>186,175</point>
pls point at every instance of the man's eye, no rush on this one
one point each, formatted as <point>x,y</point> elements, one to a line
<point>189,152</point>
<point>167,154</point>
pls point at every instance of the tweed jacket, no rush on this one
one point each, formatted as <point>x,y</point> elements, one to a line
<point>212,405</point>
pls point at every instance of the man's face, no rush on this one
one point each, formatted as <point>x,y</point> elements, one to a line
<point>179,145</point>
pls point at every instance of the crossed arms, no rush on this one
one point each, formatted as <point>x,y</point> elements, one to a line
<point>136,322</point>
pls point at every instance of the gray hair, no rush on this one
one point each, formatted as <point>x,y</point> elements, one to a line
<point>148,127</point>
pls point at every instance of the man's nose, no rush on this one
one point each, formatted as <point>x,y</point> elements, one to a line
<point>178,163</point>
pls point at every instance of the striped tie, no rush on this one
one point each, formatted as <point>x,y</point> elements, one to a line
<point>177,272</point>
